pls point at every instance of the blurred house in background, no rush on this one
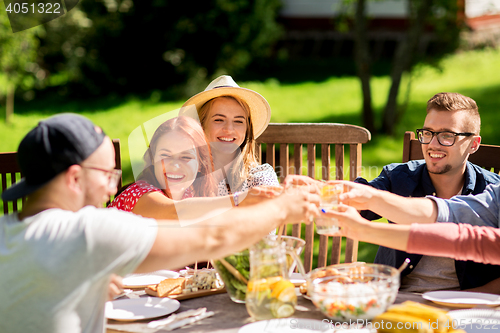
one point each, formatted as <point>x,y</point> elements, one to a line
<point>312,27</point>
<point>483,20</point>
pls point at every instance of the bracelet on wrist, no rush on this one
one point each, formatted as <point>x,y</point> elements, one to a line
<point>235,198</point>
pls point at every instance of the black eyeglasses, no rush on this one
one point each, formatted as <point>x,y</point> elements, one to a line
<point>113,175</point>
<point>444,138</point>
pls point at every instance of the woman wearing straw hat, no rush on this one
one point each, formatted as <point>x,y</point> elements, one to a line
<point>239,127</point>
<point>233,117</point>
<point>178,181</point>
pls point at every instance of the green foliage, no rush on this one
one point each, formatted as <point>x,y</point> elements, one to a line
<point>432,31</point>
<point>138,46</point>
<point>444,26</point>
<point>473,73</point>
<point>18,52</point>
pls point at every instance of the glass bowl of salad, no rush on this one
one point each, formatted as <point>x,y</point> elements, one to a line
<point>235,287</point>
<point>240,261</point>
<point>355,291</point>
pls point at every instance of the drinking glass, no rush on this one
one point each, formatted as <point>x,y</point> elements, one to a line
<point>329,200</point>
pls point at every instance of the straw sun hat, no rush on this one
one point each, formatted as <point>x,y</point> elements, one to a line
<point>224,85</point>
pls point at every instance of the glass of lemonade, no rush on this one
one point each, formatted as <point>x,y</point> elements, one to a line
<point>329,200</point>
<point>270,294</point>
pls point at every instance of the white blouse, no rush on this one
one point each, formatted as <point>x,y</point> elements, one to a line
<point>261,175</point>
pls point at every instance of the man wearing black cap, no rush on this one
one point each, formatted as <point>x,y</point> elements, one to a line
<point>57,255</point>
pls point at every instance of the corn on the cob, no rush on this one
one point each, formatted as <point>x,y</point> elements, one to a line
<point>389,322</point>
<point>437,318</point>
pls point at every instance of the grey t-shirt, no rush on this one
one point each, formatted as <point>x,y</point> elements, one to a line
<point>55,266</point>
<point>431,273</point>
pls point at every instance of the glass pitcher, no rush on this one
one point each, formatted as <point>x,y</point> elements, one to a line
<point>270,294</point>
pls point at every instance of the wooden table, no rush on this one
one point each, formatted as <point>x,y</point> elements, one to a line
<point>230,316</point>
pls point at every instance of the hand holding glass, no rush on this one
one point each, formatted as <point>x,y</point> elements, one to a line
<point>329,200</point>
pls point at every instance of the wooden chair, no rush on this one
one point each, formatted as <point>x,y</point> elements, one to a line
<point>305,135</point>
<point>487,156</point>
<point>10,173</point>
<point>118,164</point>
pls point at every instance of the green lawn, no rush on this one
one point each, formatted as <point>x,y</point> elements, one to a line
<point>474,73</point>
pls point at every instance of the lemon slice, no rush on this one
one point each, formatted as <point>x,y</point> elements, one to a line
<point>286,310</point>
<point>257,285</point>
<point>281,286</point>
<point>273,280</point>
<point>263,284</point>
<point>288,296</point>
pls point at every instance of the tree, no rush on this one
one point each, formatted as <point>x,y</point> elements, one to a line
<point>363,62</point>
<point>17,52</point>
<point>441,16</point>
<point>404,58</point>
<point>133,46</point>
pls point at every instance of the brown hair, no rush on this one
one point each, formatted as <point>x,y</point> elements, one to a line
<point>457,102</point>
<point>204,185</point>
<point>246,159</point>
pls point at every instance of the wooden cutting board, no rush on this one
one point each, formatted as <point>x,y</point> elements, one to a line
<point>194,294</point>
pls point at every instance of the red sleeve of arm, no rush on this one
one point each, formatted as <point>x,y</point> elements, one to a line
<point>458,241</point>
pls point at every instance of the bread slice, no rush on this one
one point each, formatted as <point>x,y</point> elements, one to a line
<point>167,287</point>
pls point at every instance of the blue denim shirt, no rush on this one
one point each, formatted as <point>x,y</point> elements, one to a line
<point>482,209</point>
<point>412,180</point>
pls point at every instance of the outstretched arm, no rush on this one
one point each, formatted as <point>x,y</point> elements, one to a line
<point>353,226</point>
<point>229,232</point>
<point>391,206</point>
<point>158,206</point>
<point>457,241</point>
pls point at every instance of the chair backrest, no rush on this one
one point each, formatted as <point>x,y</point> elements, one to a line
<point>10,173</point>
<point>118,165</point>
<point>298,136</point>
<point>487,156</point>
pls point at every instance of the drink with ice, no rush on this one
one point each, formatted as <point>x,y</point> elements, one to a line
<point>329,200</point>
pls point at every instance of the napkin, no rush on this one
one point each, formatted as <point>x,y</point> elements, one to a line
<point>181,319</point>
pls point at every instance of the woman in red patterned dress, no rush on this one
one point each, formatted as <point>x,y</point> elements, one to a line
<point>178,166</point>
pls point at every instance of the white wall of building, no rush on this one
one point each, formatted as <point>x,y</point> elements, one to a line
<point>330,8</point>
<point>475,8</point>
<point>379,8</point>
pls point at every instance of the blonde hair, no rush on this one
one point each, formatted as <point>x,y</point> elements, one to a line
<point>457,102</point>
<point>247,159</point>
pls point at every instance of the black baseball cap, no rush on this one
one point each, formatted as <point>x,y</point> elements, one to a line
<point>52,147</point>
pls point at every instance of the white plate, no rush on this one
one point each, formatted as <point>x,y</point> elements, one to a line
<point>476,320</point>
<point>140,308</point>
<point>287,325</point>
<point>144,280</point>
<point>297,279</point>
<point>475,313</point>
<point>462,299</point>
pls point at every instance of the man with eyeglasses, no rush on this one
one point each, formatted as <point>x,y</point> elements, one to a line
<point>57,255</point>
<point>449,135</point>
